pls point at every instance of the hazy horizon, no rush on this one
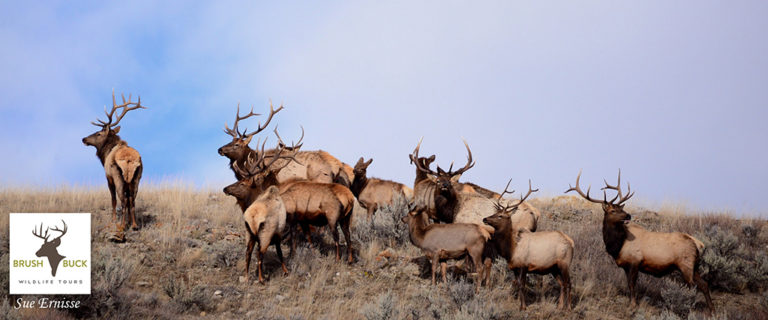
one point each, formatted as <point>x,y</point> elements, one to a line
<point>671,93</point>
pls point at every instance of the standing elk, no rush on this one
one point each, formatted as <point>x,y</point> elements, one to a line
<point>316,166</point>
<point>372,193</point>
<point>636,249</point>
<point>441,242</point>
<point>306,202</point>
<point>451,204</point>
<point>122,164</point>
<point>543,252</point>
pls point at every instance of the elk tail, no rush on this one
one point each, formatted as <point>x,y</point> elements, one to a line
<point>128,168</point>
<point>698,243</point>
<point>408,192</point>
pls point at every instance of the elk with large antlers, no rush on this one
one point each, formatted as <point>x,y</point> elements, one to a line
<point>543,252</point>
<point>318,166</point>
<point>638,250</point>
<point>122,164</point>
<point>48,249</point>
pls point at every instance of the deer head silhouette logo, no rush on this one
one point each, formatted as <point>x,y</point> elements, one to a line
<point>48,249</point>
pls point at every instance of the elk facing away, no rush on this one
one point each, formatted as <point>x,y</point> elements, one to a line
<point>319,166</point>
<point>636,249</point>
<point>122,164</point>
<point>306,202</point>
<point>48,249</point>
<point>451,204</point>
<point>543,252</point>
<point>372,193</point>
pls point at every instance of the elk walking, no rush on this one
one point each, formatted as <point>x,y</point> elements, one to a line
<point>122,164</point>
<point>635,249</point>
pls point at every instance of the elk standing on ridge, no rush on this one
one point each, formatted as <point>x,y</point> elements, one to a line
<point>636,249</point>
<point>122,164</point>
<point>48,249</point>
<point>543,252</point>
<point>372,193</point>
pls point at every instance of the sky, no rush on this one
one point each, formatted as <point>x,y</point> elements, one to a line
<point>671,92</point>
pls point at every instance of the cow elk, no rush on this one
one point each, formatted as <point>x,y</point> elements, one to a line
<point>543,252</point>
<point>638,250</point>
<point>441,242</point>
<point>122,164</point>
<point>372,193</point>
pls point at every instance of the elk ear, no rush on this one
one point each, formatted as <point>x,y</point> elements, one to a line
<point>431,158</point>
<point>440,170</point>
<point>116,129</point>
<point>368,163</point>
<point>247,140</point>
<point>455,178</point>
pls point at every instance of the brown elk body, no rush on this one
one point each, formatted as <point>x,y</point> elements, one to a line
<point>635,249</point>
<point>543,252</point>
<point>372,193</point>
<point>265,222</point>
<point>441,242</point>
<point>122,164</point>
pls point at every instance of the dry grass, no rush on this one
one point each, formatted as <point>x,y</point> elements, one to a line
<point>188,258</point>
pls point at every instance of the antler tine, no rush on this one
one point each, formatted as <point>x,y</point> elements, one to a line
<point>523,198</point>
<point>415,159</point>
<point>127,107</point>
<point>497,203</point>
<point>261,127</point>
<point>63,232</point>
<point>619,194</point>
<point>469,164</point>
<point>235,131</point>
<point>581,193</point>
<point>40,235</point>
<point>506,189</point>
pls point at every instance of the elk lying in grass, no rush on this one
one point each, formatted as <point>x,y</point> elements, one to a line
<point>306,202</point>
<point>122,164</point>
<point>453,205</point>
<point>372,193</point>
<point>543,252</point>
<point>441,242</point>
<point>636,249</point>
<point>312,165</point>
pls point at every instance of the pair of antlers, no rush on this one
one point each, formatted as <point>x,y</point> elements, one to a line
<point>415,156</point>
<point>257,166</point>
<point>126,106</point>
<point>619,195</point>
<point>513,207</point>
<point>45,237</point>
<point>235,132</point>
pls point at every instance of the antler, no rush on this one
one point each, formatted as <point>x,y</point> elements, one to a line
<point>294,146</point>
<point>466,167</point>
<point>617,187</point>
<point>510,208</point>
<point>40,235</point>
<point>415,159</point>
<point>63,232</point>
<point>585,196</point>
<point>234,131</point>
<point>127,106</point>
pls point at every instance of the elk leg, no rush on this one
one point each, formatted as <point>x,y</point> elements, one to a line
<point>305,229</point>
<point>704,288</point>
<point>487,270</point>
<point>566,276</point>
<point>279,250</point>
<point>345,222</point>
<point>133,192</point>
<point>120,190</point>
<point>443,269</point>
<point>248,252</point>
<point>111,185</point>
<point>435,262</point>
<point>335,234</point>
<point>559,277</point>
<point>521,288</point>
<point>260,255</point>
<point>631,282</point>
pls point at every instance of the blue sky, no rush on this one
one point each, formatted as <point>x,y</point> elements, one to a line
<point>673,93</point>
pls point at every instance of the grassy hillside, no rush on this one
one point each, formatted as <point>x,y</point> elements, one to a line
<point>188,261</point>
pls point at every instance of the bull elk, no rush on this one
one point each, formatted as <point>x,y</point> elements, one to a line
<point>451,204</point>
<point>543,252</point>
<point>319,166</point>
<point>122,164</point>
<point>635,249</point>
<point>372,193</point>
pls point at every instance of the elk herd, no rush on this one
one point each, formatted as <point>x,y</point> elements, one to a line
<point>284,188</point>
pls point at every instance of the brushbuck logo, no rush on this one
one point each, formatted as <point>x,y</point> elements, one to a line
<point>61,264</point>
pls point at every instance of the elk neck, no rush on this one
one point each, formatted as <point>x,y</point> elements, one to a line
<point>358,184</point>
<point>106,148</point>
<point>241,162</point>
<point>614,236</point>
<point>446,203</point>
<point>504,240</point>
<point>417,229</point>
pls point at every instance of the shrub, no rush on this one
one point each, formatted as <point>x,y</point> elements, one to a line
<point>382,309</point>
<point>184,297</point>
<point>385,225</point>
<point>678,297</point>
<point>722,264</point>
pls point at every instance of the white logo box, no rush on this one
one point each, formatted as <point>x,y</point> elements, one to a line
<point>75,246</point>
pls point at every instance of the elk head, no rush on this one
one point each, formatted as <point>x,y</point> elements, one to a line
<point>110,128</point>
<point>238,147</point>
<point>49,248</point>
<point>444,178</point>
<point>361,167</point>
<point>614,209</point>
<point>505,210</point>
